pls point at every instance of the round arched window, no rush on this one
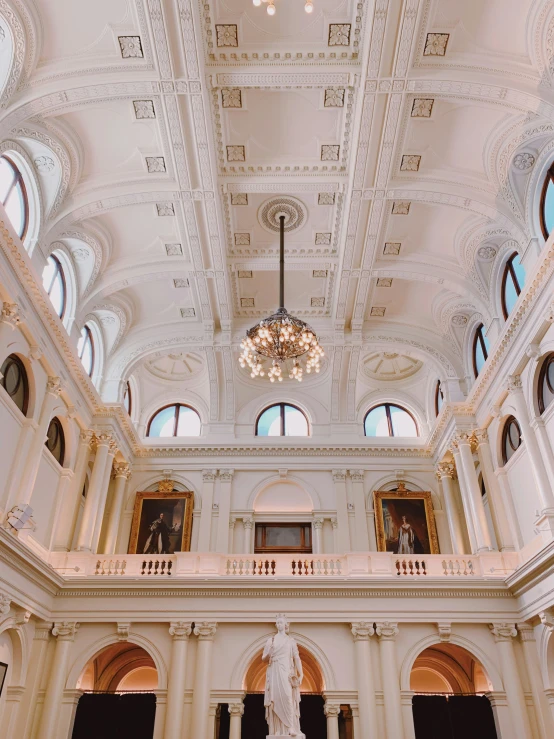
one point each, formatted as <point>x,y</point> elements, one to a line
<point>511,438</point>
<point>55,440</point>
<point>547,203</point>
<point>389,420</point>
<point>480,351</point>
<point>15,383</point>
<point>85,350</point>
<point>282,419</point>
<point>546,383</point>
<point>128,398</point>
<point>513,279</point>
<point>439,398</point>
<point>53,281</point>
<point>14,195</point>
<point>174,420</point>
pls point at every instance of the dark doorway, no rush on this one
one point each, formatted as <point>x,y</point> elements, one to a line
<point>453,717</point>
<point>115,715</point>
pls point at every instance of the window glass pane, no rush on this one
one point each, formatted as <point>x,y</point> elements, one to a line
<point>269,423</point>
<point>550,374</point>
<point>6,178</point>
<point>283,536</point>
<point>519,270</point>
<point>56,294</point>
<point>15,209</point>
<point>549,208</point>
<point>510,294</point>
<point>84,350</point>
<point>440,397</point>
<point>189,422</point>
<point>402,423</point>
<point>127,398</point>
<point>376,423</point>
<point>14,381</point>
<point>163,423</point>
<point>295,422</point>
<point>513,434</point>
<point>48,274</point>
<point>479,356</point>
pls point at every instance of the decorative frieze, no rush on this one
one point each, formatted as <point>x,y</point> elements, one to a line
<point>131,47</point>
<point>435,44</point>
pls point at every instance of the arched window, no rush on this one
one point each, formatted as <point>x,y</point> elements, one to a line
<point>547,203</point>
<point>480,351</point>
<point>15,383</point>
<point>546,383</point>
<point>128,398</point>
<point>53,281</point>
<point>174,420</point>
<point>85,350</point>
<point>511,438</point>
<point>513,279</point>
<point>439,398</point>
<point>282,419</point>
<point>55,440</point>
<point>389,420</point>
<point>14,195</point>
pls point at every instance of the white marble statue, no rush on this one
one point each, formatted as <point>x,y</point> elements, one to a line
<point>282,683</point>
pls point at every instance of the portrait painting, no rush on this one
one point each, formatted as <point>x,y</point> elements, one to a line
<point>162,523</point>
<point>405,523</point>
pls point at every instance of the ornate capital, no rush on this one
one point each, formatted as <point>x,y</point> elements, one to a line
<point>339,475</point>
<point>549,315</point>
<point>123,628</point>
<point>54,386</point>
<point>503,631</point>
<point>166,486</point>
<point>362,630</point>
<point>180,630</point>
<point>356,475</point>
<point>10,314</point>
<point>65,630</point>
<point>445,469</point>
<point>462,437</point>
<point>445,630</point>
<point>386,630</point>
<point>209,475</point>
<point>85,437</point>
<point>481,436</point>
<point>332,709</point>
<point>232,522</point>
<point>226,475</point>
<point>205,630</point>
<point>103,439</point>
<point>547,618</point>
<point>248,523</point>
<point>514,384</point>
<point>526,632</point>
<point>236,709</point>
<point>122,470</point>
<point>318,523</point>
<point>334,523</point>
<point>5,603</point>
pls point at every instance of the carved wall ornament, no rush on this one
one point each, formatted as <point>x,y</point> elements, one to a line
<point>386,630</point>
<point>389,366</point>
<point>445,631</point>
<point>174,250</point>
<point>227,35</point>
<point>155,164</point>
<point>293,209</point>
<point>80,255</point>
<point>242,239</point>
<point>181,282</point>
<point>514,384</point>
<point>166,486</point>
<point>322,239</point>
<point>410,163</point>
<point>486,253</point>
<point>459,319</point>
<point>54,386</point>
<point>317,302</point>
<point>44,164</point>
<point>330,152</point>
<point>180,630</point>
<point>231,97</point>
<point>247,303</point>
<point>165,209</point>
<point>392,249</point>
<point>123,629</point>
<point>523,161</point>
<point>10,314</point>
<point>65,630</point>
<point>326,198</point>
<point>239,198</point>
<point>339,34</point>
<point>435,44</point>
<point>244,274</point>
<point>503,631</point>
<point>5,604</point>
<point>362,630</point>
<point>144,109</point>
<point>334,97</point>
<point>188,313</point>
<point>377,311</point>
<point>131,47</point>
<point>422,107</point>
<point>445,469</point>
<point>235,153</point>
<point>316,273</point>
<point>401,208</point>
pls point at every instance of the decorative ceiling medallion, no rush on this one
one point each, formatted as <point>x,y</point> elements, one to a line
<point>155,164</point>
<point>390,366</point>
<point>410,163</point>
<point>293,209</point>
<point>401,207</point>
<point>181,282</point>
<point>188,313</point>
<point>174,250</point>
<point>245,274</point>
<point>326,198</point>
<point>242,239</point>
<point>377,312</point>
<point>435,44</point>
<point>422,107</point>
<point>486,253</point>
<point>165,209</point>
<point>523,161</point>
<point>322,239</point>
<point>144,109</point>
<point>231,97</point>
<point>235,153</point>
<point>392,248</point>
<point>459,319</point>
<point>247,303</point>
<point>317,302</point>
<point>334,97</point>
<point>384,282</point>
<point>131,47</point>
<point>339,34</point>
<point>239,198</point>
<point>330,152</point>
<point>176,366</point>
<point>45,164</point>
<point>227,35</point>
<point>319,273</point>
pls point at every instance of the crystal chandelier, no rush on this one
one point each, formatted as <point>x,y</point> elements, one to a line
<point>281,337</point>
<point>308,7</point>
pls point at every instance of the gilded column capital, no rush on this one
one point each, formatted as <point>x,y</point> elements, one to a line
<point>205,630</point>
<point>513,385</point>
<point>481,436</point>
<point>65,630</point>
<point>445,469</point>
<point>362,630</point>
<point>503,632</point>
<point>386,630</point>
<point>180,630</point>
<point>54,386</point>
<point>10,314</point>
<point>122,470</point>
<point>101,438</point>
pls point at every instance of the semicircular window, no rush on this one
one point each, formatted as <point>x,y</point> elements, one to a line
<point>174,420</point>
<point>14,195</point>
<point>55,440</point>
<point>513,280</point>
<point>547,203</point>
<point>15,383</point>
<point>85,350</point>
<point>282,419</point>
<point>481,348</point>
<point>439,398</point>
<point>389,420</point>
<point>511,438</point>
<point>53,281</point>
<point>546,383</point>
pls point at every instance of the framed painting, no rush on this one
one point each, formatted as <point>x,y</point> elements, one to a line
<point>162,521</point>
<point>405,522</point>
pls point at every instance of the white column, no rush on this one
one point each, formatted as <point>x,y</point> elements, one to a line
<point>101,506</point>
<point>390,679</point>
<point>406,698</point>
<point>361,631</point>
<point>236,709</point>
<point>332,711</point>
<point>343,532</point>
<point>34,457</point>
<point>496,502</point>
<point>10,319</point>
<point>122,472</point>
<point>180,631</point>
<point>232,522</point>
<point>503,634</point>
<point>65,524</point>
<point>225,489</point>
<point>248,524</point>
<point>371,525</point>
<point>473,492</point>
<point>464,497</point>
<point>65,483</point>
<point>204,534</point>
<point>212,714</point>
<point>446,472</point>
<point>543,714</point>
<point>506,492</point>
<point>543,440</point>
<point>65,632</point>
<point>205,631</point>
<point>356,726</point>
<point>94,492</point>
<point>35,669</point>
<point>360,519</point>
<point>317,526</point>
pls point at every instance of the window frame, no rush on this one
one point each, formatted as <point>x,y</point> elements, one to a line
<point>281,406</point>
<point>543,376</point>
<point>90,338</point>
<point>509,269</point>
<point>24,377</point>
<point>549,179</point>
<point>59,271</point>
<point>264,549</point>
<point>438,391</point>
<point>177,406</point>
<point>506,437</point>
<point>18,180</point>
<point>387,407</point>
<point>478,335</point>
<point>127,392</point>
<point>56,421</point>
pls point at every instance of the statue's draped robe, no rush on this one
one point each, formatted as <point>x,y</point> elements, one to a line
<point>282,699</point>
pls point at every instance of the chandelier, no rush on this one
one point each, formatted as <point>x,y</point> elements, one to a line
<point>308,7</point>
<point>281,337</point>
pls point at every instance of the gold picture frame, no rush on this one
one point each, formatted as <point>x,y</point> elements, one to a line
<point>174,508</point>
<point>405,522</point>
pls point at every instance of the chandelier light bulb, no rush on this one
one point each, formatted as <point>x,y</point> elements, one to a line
<point>257,3</point>
<point>309,7</point>
<point>271,9</point>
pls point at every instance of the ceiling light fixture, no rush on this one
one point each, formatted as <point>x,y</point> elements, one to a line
<point>308,7</point>
<point>281,337</point>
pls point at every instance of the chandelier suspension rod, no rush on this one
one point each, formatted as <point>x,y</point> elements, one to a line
<point>281,261</point>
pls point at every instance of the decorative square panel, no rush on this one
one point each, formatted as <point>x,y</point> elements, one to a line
<point>181,282</point>
<point>422,107</point>
<point>322,239</point>
<point>435,44</point>
<point>410,163</point>
<point>326,198</point>
<point>247,302</point>
<point>165,209</point>
<point>231,97</point>
<point>378,312</point>
<point>401,207</point>
<point>329,152</point>
<point>174,250</point>
<point>392,248</point>
<point>339,34</point>
<point>227,35</point>
<point>188,313</point>
<point>131,47</point>
<point>155,164</point>
<point>319,273</point>
<point>384,282</point>
<point>317,302</point>
<point>242,239</point>
<point>334,97</point>
<point>245,274</point>
<point>235,153</point>
<point>144,109</point>
<point>239,198</point>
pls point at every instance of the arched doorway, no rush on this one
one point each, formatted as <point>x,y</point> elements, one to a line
<point>450,684</point>
<point>119,699</point>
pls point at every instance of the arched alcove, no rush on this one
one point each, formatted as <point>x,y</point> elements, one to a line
<point>119,667</point>
<point>254,680</point>
<point>448,668</point>
<point>283,496</point>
